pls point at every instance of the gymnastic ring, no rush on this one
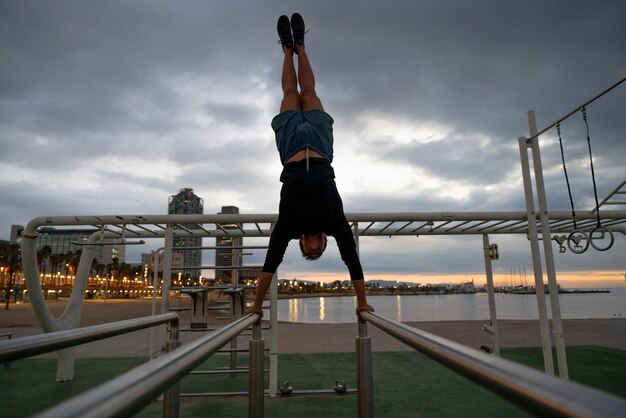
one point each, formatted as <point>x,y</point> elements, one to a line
<point>577,248</point>
<point>603,230</point>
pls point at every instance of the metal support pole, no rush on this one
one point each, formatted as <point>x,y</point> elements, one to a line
<point>155,283</point>
<point>256,373</point>
<point>273,379</point>
<point>544,327</point>
<point>167,269</point>
<point>557,324</point>
<point>167,276</point>
<point>171,398</point>
<point>365,386</point>
<point>495,338</point>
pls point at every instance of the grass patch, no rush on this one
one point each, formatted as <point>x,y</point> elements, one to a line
<point>406,384</point>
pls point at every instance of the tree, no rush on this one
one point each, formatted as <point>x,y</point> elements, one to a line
<point>43,256</point>
<point>11,258</point>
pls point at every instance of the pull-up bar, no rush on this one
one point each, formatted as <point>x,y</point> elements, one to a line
<point>553,124</point>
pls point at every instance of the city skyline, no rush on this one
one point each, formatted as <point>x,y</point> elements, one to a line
<point>110,109</point>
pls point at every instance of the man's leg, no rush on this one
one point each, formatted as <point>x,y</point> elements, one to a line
<point>291,98</point>
<point>308,96</point>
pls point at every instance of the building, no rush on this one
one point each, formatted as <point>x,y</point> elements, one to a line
<point>225,255</point>
<point>16,234</point>
<point>63,241</point>
<point>147,261</point>
<point>187,203</point>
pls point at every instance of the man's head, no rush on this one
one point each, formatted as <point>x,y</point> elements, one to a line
<point>313,245</point>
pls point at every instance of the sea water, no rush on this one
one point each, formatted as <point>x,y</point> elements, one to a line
<point>453,307</point>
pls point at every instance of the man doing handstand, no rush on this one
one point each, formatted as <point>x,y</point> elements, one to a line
<point>310,206</point>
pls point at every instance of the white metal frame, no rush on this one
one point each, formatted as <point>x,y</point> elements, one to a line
<point>259,225</point>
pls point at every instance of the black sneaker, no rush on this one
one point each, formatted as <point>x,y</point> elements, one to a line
<point>297,27</point>
<point>284,32</point>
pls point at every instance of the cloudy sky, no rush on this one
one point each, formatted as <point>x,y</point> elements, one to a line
<point>111,107</point>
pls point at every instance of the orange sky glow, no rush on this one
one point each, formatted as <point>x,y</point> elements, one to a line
<point>581,279</point>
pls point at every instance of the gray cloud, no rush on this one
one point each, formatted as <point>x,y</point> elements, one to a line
<point>110,108</point>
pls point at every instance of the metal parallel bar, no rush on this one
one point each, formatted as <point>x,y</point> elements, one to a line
<point>128,393</point>
<point>20,348</point>
<point>530,389</point>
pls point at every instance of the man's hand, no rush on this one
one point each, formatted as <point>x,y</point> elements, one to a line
<point>254,310</point>
<point>361,308</point>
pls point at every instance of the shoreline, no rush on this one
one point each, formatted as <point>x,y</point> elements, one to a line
<point>307,337</point>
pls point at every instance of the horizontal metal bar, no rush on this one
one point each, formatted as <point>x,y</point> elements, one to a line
<point>596,97</point>
<point>224,247</point>
<point>218,268</point>
<point>225,371</point>
<point>128,393</point>
<point>19,348</point>
<point>530,389</point>
<point>220,394</point>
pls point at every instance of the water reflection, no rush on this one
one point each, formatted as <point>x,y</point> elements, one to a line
<point>399,308</point>
<point>451,307</point>
<point>293,310</point>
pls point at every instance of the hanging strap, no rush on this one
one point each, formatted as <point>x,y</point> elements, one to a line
<point>569,189</point>
<point>593,175</point>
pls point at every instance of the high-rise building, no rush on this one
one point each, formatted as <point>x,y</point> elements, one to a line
<point>187,203</point>
<point>225,255</point>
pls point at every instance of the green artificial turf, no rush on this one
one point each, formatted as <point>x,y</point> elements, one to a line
<point>406,384</point>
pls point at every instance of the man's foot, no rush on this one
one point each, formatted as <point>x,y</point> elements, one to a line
<point>284,32</point>
<point>297,27</point>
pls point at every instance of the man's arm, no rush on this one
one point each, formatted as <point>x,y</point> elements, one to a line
<point>275,251</point>
<point>361,300</point>
<point>347,249</point>
<point>265,279</point>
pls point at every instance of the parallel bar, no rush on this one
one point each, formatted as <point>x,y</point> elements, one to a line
<point>128,393</point>
<point>365,385</point>
<point>256,387</point>
<point>20,348</point>
<point>530,389</point>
